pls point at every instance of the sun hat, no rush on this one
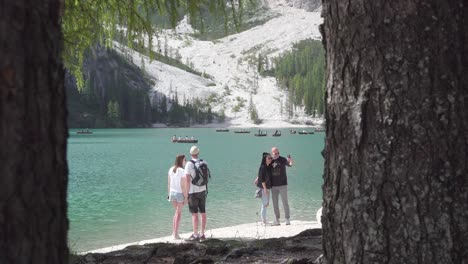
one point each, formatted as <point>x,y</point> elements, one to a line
<point>194,150</point>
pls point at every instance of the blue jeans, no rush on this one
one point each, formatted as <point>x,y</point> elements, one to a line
<point>263,209</point>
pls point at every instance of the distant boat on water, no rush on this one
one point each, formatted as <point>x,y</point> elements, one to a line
<point>184,140</point>
<point>176,139</point>
<point>84,131</point>
<point>242,131</point>
<point>305,132</point>
<point>292,131</point>
<point>261,133</point>
<point>277,133</point>
<point>222,130</point>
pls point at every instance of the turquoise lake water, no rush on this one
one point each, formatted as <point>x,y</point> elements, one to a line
<point>118,181</point>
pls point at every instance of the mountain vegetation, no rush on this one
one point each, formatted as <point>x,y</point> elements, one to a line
<point>212,26</point>
<point>116,93</point>
<point>301,73</point>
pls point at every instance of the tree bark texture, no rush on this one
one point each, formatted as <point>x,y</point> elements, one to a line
<point>396,152</point>
<point>33,134</point>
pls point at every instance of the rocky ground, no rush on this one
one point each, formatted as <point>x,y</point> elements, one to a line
<point>305,247</point>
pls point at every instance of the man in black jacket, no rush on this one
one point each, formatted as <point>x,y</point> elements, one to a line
<point>279,184</point>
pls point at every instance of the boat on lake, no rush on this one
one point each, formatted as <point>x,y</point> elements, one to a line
<point>277,133</point>
<point>222,130</point>
<point>291,131</point>
<point>176,139</point>
<point>183,140</point>
<point>305,132</point>
<point>242,131</point>
<point>261,133</point>
<point>84,131</point>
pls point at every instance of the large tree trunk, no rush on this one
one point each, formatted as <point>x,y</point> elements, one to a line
<point>396,173</point>
<point>33,133</point>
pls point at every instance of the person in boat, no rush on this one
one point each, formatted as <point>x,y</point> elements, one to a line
<point>175,181</point>
<point>186,137</point>
<point>174,138</point>
<point>192,138</point>
<point>263,181</point>
<point>279,184</point>
<point>178,138</point>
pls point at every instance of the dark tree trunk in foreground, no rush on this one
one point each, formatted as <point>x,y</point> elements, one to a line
<point>396,173</point>
<point>33,170</point>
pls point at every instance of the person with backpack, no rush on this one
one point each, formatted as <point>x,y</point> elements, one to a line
<point>263,182</point>
<point>196,188</point>
<point>279,184</point>
<point>175,181</point>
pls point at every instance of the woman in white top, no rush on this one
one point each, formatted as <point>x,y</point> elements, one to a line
<point>175,193</point>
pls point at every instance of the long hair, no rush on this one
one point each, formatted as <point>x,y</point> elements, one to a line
<point>264,155</point>
<point>263,161</point>
<point>179,162</point>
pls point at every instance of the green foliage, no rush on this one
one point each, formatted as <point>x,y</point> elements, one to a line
<point>160,56</point>
<point>222,116</point>
<point>240,104</point>
<point>212,25</point>
<point>87,22</point>
<point>212,98</point>
<point>227,91</point>
<point>190,112</point>
<point>108,98</point>
<point>301,73</point>
<point>253,112</point>
<point>236,108</point>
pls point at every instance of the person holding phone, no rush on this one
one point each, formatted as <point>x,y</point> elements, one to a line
<point>279,184</point>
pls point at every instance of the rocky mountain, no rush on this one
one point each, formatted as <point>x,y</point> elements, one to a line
<point>222,73</point>
<point>109,77</point>
<point>229,79</point>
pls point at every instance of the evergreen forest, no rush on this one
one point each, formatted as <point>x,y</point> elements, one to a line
<point>301,73</point>
<point>116,94</point>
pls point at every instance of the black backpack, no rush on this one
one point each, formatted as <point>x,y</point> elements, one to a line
<point>202,173</point>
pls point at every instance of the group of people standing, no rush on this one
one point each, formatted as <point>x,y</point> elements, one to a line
<point>181,191</point>
<point>272,179</point>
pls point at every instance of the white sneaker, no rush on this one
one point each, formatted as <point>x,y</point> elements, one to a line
<point>287,222</point>
<point>276,223</point>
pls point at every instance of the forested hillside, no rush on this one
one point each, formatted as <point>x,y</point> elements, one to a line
<point>116,93</point>
<point>301,73</point>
